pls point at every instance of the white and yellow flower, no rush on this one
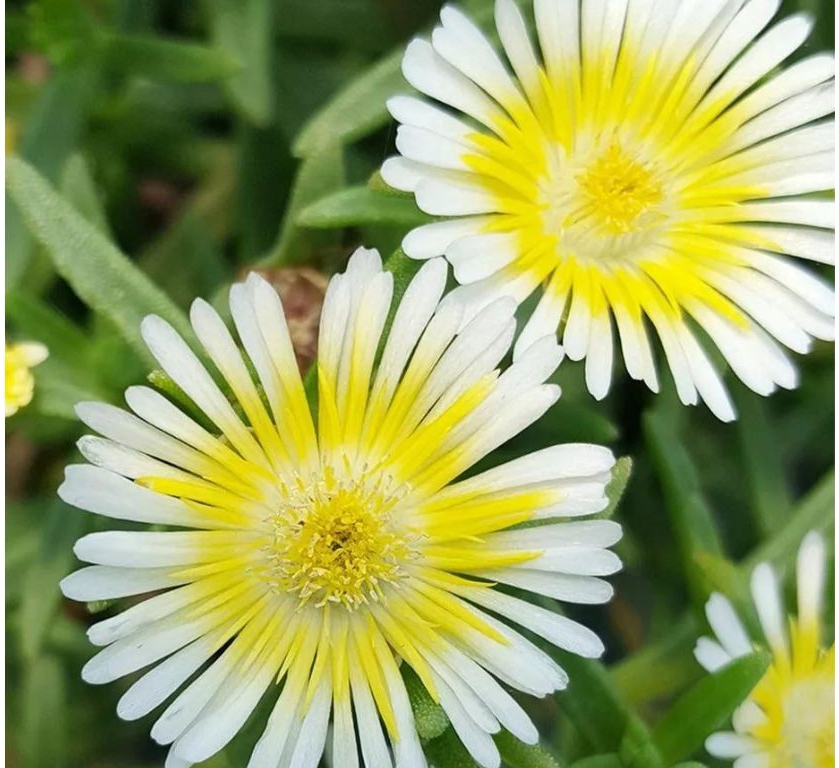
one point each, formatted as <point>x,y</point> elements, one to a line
<point>311,556</point>
<point>21,358</point>
<point>788,720</point>
<point>651,170</point>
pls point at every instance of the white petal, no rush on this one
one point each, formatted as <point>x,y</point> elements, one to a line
<point>729,745</point>
<point>706,378</point>
<point>727,626</point>
<point>796,78</point>
<point>143,648</point>
<point>153,688</point>
<point>105,493</point>
<point>103,583</point>
<point>517,46</point>
<point>455,195</point>
<point>807,213</point>
<point>478,256</point>
<point>184,368</point>
<point>559,630</point>
<point>805,243</point>
<point>403,174</point>
<point>423,146</point>
<point>373,745</point>
<point>810,572</point>
<point>588,533</point>
<point>599,357</point>
<point>464,46</point>
<point>312,736</point>
<point>410,110</point>
<point>478,742</point>
<point>500,703</point>
<point>584,561</point>
<point>544,321</point>
<point>762,57</point>
<point>433,239</point>
<point>770,611</point>
<point>710,654</point>
<point>428,72</point>
<point>585,590</point>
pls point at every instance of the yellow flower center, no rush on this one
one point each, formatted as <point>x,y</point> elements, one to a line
<point>335,541</point>
<point>601,203</point>
<point>806,736</point>
<point>619,192</point>
<point>796,696</point>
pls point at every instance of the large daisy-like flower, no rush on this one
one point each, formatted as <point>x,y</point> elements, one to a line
<point>649,170</point>
<point>788,720</point>
<point>315,555</point>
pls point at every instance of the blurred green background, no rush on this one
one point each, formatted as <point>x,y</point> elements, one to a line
<point>207,138</point>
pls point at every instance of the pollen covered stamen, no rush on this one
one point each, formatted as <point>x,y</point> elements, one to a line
<point>335,541</point>
<point>619,192</point>
<point>806,736</point>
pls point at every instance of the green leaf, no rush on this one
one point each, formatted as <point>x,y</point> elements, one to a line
<point>95,269</point>
<point>517,754</point>
<point>621,473</point>
<point>161,380</point>
<point>707,706</point>
<point>446,751</point>
<point>637,749</point>
<point>58,391</point>
<point>592,702</point>
<point>430,718</point>
<point>318,175</point>
<point>360,107</point>
<point>814,512</point>
<point>764,468</point>
<point>724,576</point>
<point>356,110</point>
<point>157,58</point>
<point>189,243</point>
<point>43,725</point>
<point>362,206</point>
<point>354,23</point>
<point>404,269</point>
<point>33,319</point>
<point>659,667</point>
<point>244,29</point>
<point>78,186</point>
<point>690,515</point>
<point>52,128</point>
<point>610,760</point>
<point>41,595</point>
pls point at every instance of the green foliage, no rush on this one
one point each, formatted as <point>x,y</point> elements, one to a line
<point>430,719</point>
<point>707,706</point>
<point>516,754</point>
<point>157,58</point>
<point>359,206</point>
<point>100,275</point>
<point>53,560</point>
<point>43,720</point>
<point>357,110</point>
<point>320,174</point>
<point>243,31</point>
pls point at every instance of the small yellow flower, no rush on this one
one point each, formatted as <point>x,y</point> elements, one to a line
<point>20,359</point>
<point>787,721</point>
